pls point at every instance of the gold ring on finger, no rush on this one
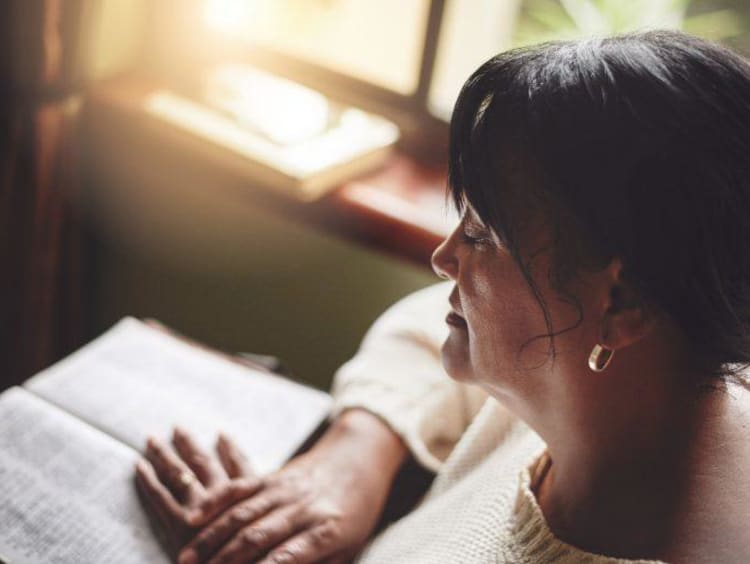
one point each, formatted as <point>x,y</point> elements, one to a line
<point>186,478</point>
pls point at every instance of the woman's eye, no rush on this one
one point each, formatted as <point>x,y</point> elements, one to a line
<point>475,240</point>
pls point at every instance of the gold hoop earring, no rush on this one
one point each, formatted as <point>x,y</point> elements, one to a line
<point>600,358</point>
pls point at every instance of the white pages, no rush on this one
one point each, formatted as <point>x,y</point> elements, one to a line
<point>67,493</point>
<point>136,381</point>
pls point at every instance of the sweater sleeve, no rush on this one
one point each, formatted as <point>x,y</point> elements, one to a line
<point>398,375</point>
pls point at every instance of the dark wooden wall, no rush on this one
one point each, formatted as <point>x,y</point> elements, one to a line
<point>41,248</point>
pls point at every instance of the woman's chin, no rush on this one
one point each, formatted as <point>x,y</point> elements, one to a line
<point>455,355</point>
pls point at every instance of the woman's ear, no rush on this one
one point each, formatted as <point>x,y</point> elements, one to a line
<point>626,319</point>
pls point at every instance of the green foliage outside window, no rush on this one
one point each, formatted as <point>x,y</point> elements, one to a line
<point>545,20</point>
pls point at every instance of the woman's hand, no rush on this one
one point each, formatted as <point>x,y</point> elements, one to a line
<point>322,506</point>
<point>184,487</point>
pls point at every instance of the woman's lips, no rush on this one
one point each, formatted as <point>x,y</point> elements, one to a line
<point>455,320</point>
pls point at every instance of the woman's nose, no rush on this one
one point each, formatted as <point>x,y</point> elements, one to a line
<point>444,260</point>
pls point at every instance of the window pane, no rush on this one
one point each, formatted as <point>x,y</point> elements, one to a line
<point>474,31</point>
<point>379,41</point>
<point>470,34</point>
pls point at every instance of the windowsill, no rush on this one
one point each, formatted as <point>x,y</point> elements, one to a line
<point>398,209</point>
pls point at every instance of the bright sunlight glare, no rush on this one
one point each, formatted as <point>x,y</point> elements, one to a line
<point>228,16</point>
<point>281,110</point>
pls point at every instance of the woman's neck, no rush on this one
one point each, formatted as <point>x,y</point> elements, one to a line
<point>626,467</point>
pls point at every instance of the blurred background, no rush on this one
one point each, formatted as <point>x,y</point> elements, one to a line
<point>260,175</point>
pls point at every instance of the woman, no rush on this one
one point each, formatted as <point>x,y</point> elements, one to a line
<point>599,295</point>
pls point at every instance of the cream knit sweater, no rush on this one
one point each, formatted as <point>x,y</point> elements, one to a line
<point>480,508</point>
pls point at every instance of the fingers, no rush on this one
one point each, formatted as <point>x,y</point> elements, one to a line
<point>158,496</point>
<point>213,536</point>
<point>259,537</point>
<point>233,460</point>
<point>161,518</point>
<point>312,545</point>
<point>206,468</point>
<point>172,471</point>
<point>226,496</point>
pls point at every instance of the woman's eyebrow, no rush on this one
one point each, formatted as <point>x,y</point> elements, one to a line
<point>471,218</point>
<point>469,213</point>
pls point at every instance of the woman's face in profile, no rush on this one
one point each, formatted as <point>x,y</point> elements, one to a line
<point>495,316</point>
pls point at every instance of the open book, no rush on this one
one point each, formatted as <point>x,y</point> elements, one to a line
<point>70,436</point>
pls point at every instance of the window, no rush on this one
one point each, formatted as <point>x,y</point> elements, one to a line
<point>407,59</point>
<point>377,42</point>
<point>471,32</point>
<point>374,54</point>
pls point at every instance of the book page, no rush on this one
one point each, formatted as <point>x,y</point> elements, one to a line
<point>136,381</point>
<point>67,493</point>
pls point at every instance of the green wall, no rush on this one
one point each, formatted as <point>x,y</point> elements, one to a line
<point>180,245</point>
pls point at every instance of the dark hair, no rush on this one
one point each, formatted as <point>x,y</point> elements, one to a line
<point>642,142</point>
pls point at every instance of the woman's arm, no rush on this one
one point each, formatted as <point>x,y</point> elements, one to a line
<point>324,504</point>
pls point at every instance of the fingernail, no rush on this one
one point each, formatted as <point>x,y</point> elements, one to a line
<point>188,556</point>
<point>140,466</point>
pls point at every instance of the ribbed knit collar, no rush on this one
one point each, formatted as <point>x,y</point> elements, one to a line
<point>534,535</point>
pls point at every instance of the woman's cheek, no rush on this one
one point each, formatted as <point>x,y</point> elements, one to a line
<point>505,335</point>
